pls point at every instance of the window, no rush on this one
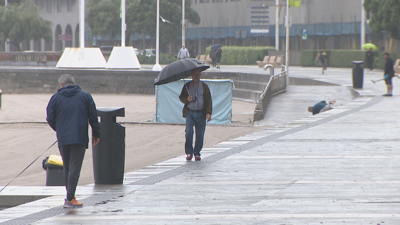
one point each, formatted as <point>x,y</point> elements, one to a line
<point>59,5</point>
<point>49,6</point>
<point>204,1</point>
<point>215,1</point>
<point>69,5</point>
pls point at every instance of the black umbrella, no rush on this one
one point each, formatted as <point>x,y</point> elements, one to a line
<point>178,70</point>
<point>215,47</point>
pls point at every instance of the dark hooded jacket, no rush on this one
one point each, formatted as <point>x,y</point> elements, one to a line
<point>69,112</point>
<point>318,107</point>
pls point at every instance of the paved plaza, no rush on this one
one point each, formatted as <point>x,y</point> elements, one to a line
<point>337,167</point>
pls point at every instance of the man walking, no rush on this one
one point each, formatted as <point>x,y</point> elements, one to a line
<point>197,110</point>
<point>369,58</point>
<point>183,53</point>
<point>68,113</point>
<point>388,74</point>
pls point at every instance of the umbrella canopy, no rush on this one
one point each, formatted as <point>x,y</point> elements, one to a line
<point>214,47</point>
<point>178,70</point>
<point>368,46</point>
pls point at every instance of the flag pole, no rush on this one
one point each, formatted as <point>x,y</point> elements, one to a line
<point>287,40</point>
<point>123,25</point>
<point>157,66</point>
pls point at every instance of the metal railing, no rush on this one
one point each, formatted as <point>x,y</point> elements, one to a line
<point>276,85</point>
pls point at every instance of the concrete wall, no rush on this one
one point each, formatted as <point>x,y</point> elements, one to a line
<point>28,80</point>
<point>19,81</point>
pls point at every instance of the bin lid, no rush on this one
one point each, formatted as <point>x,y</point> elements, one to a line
<point>111,111</point>
<point>358,62</point>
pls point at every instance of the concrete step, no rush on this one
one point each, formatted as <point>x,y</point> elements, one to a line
<point>251,77</point>
<point>246,94</point>
<point>247,85</point>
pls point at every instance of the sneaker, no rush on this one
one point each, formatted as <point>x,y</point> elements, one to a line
<point>197,158</point>
<point>387,95</point>
<point>73,203</point>
<point>189,157</point>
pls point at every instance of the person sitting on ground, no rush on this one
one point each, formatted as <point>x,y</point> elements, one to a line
<point>321,106</point>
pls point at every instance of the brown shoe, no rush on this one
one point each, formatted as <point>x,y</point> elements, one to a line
<point>73,203</point>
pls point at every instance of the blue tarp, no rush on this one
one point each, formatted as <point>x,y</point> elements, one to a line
<point>169,107</point>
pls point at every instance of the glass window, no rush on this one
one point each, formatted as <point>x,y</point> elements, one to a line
<point>49,6</point>
<point>217,1</point>
<point>204,1</point>
<point>59,5</point>
<point>69,5</point>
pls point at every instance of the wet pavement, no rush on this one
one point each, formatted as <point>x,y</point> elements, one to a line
<point>340,166</point>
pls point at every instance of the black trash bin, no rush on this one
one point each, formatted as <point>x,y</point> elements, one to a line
<point>54,173</point>
<point>109,154</point>
<point>358,74</point>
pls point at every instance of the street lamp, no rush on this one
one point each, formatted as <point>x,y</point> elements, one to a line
<point>157,66</point>
<point>362,24</point>
<point>183,22</point>
<point>287,40</point>
<point>277,26</point>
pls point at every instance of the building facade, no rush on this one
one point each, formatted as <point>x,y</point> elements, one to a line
<point>317,24</point>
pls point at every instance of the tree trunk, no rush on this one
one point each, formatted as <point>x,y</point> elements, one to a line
<point>17,45</point>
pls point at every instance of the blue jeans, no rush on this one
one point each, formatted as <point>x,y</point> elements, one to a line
<point>198,120</point>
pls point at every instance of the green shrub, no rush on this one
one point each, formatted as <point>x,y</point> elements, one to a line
<point>343,58</point>
<point>164,59</point>
<point>380,60</point>
<point>234,55</point>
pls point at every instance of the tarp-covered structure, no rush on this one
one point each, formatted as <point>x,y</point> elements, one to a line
<point>169,107</point>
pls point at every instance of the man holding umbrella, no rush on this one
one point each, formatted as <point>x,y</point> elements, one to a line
<point>197,99</point>
<point>197,110</point>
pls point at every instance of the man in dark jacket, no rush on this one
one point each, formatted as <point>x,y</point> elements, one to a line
<point>321,106</point>
<point>68,113</point>
<point>369,58</point>
<point>388,74</point>
<point>197,110</point>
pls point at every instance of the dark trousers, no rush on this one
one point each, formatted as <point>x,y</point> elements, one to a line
<point>198,120</point>
<point>72,156</point>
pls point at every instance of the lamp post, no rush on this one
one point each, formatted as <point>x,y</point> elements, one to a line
<point>81,24</point>
<point>277,26</point>
<point>183,22</point>
<point>157,66</point>
<point>123,25</point>
<point>6,45</point>
<point>287,40</point>
<point>362,41</point>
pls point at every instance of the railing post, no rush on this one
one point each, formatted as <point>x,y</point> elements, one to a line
<point>271,69</point>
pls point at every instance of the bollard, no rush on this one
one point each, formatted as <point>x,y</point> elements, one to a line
<point>109,154</point>
<point>358,74</point>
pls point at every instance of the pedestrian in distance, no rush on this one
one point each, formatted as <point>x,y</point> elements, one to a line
<point>369,59</point>
<point>183,53</point>
<point>321,106</point>
<point>69,112</point>
<point>192,52</point>
<point>197,110</point>
<point>213,58</point>
<point>388,74</point>
<point>218,54</point>
<point>322,61</point>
